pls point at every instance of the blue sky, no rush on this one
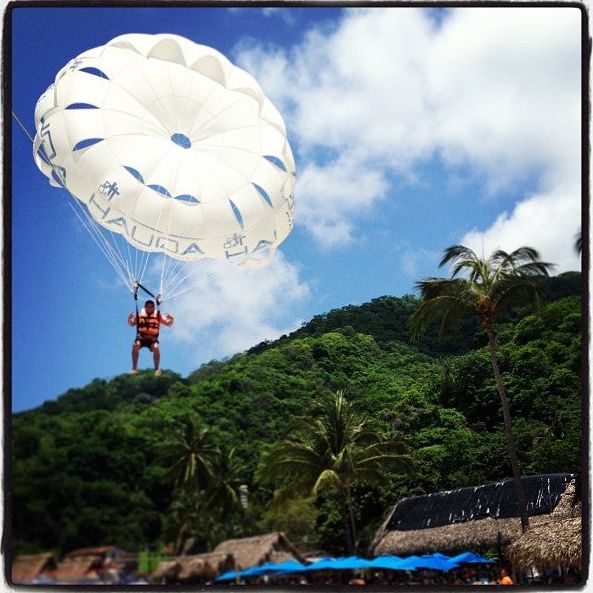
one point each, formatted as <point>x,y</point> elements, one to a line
<point>412,129</point>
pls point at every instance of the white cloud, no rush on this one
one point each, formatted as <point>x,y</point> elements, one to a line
<point>414,261</point>
<point>548,222</point>
<point>504,85</point>
<point>239,307</point>
<point>286,15</point>
<point>386,89</point>
<point>339,191</point>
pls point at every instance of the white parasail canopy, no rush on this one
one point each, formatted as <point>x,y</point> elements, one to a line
<point>171,146</point>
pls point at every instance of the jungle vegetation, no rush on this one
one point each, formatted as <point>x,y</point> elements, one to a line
<point>142,461</point>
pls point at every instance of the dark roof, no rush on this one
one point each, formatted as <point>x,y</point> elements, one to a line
<point>496,500</point>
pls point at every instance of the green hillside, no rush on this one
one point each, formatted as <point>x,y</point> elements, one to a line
<point>88,468</point>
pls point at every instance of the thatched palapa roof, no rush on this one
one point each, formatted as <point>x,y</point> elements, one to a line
<point>30,566</point>
<point>228,555</point>
<point>475,518</point>
<point>194,568</point>
<point>77,568</point>
<point>167,569</point>
<point>252,551</point>
<point>557,542</point>
<point>203,567</point>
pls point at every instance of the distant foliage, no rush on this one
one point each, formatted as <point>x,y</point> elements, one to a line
<point>88,469</point>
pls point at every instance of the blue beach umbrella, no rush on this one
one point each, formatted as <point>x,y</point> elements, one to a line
<point>274,568</point>
<point>324,564</point>
<point>435,563</point>
<point>408,563</point>
<point>438,555</point>
<point>287,565</point>
<point>386,563</point>
<point>267,568</point>
<point>229,575</point>
<point>350,563</point>
<point>471,558</point>
<point>256,570</point>
<point>426,562</point>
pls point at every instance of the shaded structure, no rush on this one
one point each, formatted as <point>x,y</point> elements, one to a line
<point>252,551</point>
<point>555,543</point>
<point>89,565</point>
<point>476,517</point>
<point>166,571</point>
<point>233,554</point>
<point>27,567</point>
<point>196,568</point>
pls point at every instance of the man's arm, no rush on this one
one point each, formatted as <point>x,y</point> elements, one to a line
<point>132,319</point>
<point>167,319</point>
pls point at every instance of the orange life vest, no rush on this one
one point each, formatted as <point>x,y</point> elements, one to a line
<point>148,326</point>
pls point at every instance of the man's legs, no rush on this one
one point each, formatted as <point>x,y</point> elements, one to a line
<point>135,352</point>
<point>156,355</point>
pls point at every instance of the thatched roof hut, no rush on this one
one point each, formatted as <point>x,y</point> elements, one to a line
<point>88,563</point>
<point>204,567</point>
<point>167,570</point>
<point>557,542</point>
<point>29,566</point>
<point>252,551</point>
<point>228,555</point>
<point>74,570</point>
<point>197,568</point>
<point>476,518</point>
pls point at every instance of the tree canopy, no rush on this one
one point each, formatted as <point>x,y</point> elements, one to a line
<point>87,468</point>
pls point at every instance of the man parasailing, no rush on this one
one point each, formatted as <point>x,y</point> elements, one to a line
<point>161,189</point>
<point>148,323</point>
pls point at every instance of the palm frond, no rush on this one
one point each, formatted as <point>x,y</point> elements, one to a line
<point>327,479</point>
<point>487,286</point>
<point>456,253</point>
<point>532,269</point>
<point>449,299</point>
<point>288,461</point>
<point>512,289</point>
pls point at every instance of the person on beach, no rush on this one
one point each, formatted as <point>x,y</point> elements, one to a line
<point>504,579</point>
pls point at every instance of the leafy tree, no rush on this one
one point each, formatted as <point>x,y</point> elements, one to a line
<point>333,450</point>
<point>190,455</point>
<point>296,519</point>
<point>87,468</point>
<point>489,286</point>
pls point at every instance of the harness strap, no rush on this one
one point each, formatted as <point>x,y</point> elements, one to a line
<point>157,298</point>
<point>136,303</point>
<point>137,286</point>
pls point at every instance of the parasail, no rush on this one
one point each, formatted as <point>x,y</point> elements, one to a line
<point>167,148</point>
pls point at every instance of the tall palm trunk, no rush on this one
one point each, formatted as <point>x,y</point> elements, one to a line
<point>506,414</point>
<point>351,518</point>
<point>345,512</point>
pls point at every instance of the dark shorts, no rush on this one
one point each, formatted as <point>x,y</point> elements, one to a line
<point>146,342</point>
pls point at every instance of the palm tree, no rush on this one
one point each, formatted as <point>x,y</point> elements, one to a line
<point>333,449</point>
<point>224,489</point>
<point>484,287</point>
<point>190,455</point>
<point>205,479</point>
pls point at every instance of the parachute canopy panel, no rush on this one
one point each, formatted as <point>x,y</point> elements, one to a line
<point>170,145</point>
